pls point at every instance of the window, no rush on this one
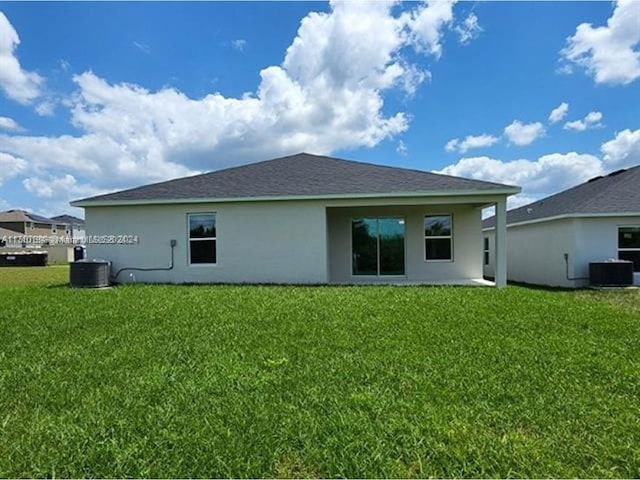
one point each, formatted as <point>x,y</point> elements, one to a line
<point>54,228</point>
<point>202,238</point>
<point>438,237</point>
<point>377,246</point>
<point>629,245</point>
<point>486,251</point>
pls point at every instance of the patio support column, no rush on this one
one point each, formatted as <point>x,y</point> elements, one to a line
<point>501,244</point>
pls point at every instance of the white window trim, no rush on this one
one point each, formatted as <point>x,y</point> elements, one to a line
<point>189,240</point>
<point>486,251</point>
<point>436,237</point>
<point>627,249</point>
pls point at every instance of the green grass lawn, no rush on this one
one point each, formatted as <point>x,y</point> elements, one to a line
<point>250,381</point>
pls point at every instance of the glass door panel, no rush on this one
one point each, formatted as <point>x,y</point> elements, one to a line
<point>391,235</point>
<point>364,237</point>
<point>377,246</point>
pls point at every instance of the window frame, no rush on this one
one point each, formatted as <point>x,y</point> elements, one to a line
<point>378,274</point>
<point>189,239</point>
<point>437,237</point>
<point>634,249</point>
<point>486,251</point>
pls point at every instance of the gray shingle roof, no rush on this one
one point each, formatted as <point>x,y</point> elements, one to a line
<point>68,219</point>
<point>299,175</point>
<point>617,192</point>
<point>23,216</point>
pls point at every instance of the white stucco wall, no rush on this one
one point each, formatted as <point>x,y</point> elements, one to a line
<point>270,242</point>
<point>536,251</point>
<point>289,241</point>
<point>597,240</point>
<point>467,243</point>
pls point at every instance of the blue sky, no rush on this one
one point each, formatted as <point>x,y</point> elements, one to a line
<point>102,96</point>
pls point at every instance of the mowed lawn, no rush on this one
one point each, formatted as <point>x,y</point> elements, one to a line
<point>254,381</point>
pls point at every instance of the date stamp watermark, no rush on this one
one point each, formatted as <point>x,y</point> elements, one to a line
<point>121,239</point>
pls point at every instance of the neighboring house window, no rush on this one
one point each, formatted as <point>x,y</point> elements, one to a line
<point>629,245</point>
<point>202,238</point>
<point>487,258</point>
<point>438,237</point>
<point>54,228</point>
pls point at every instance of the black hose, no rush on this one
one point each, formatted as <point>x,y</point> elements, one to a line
<point>146,269</point>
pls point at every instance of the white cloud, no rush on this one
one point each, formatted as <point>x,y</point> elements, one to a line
<point>55,193</point>
<point>46,108</point>
<point>401,148</point>
<point>523,134</point>
<point>9,124</point>
<point>469,29</point>
<point>426,24</point>
<point>17,84</point>
<point>327,95</point>
<point>539,178</point>
<point>143,47</point>
<point>559,112</point>
<point>592,120</point>
<point>65,186</point>
<point>623,151</point>
<point>470,142</point>
<point>10,166</point>
<point>239,44</point>
<point>610,53</point>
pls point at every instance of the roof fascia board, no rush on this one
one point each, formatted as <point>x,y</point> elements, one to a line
<point>450,193</point>
<point>568,216</point>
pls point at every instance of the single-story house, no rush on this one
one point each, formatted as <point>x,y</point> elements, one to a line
<point>299,219</point>
<point>552,241</point>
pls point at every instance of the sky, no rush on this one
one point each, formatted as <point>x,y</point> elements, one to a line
<point>98,97</point>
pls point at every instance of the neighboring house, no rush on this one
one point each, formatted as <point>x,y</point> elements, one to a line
<point>73,225</point>
<point>26,223</point>
<point>10,238</point>
<point>299,219</point>
<point>551,241</point>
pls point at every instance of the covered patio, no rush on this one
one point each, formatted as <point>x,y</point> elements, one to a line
<point>416,241</point>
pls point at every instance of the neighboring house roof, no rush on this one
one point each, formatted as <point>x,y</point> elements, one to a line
<point>23,216</point>
<point>301,175</point>
<point>8,233</point>
<point>68,219</point>
<point>615,193</point>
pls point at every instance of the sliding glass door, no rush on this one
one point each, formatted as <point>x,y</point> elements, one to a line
<point>377,246</point>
